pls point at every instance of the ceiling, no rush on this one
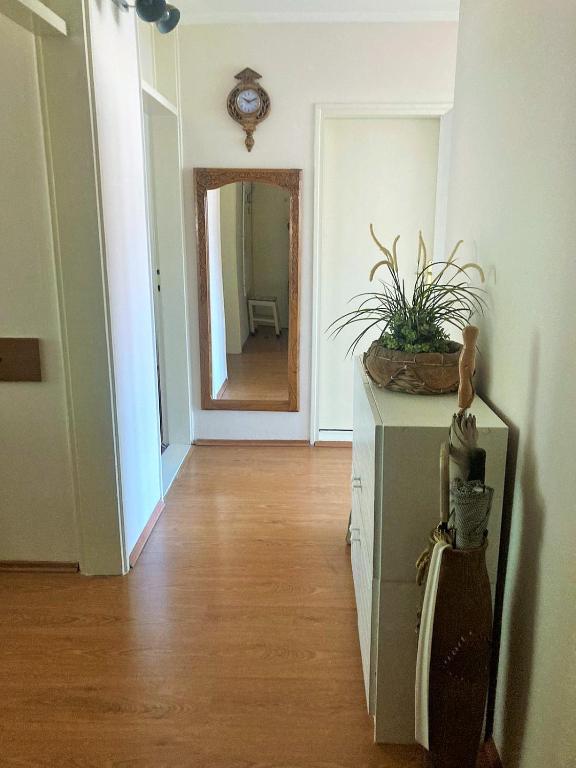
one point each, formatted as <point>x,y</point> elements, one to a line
<point>260,11</point>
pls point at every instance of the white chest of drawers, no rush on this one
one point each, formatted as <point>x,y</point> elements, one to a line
<point>395,492</point>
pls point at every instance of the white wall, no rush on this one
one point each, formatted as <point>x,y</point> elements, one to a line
<point>512,198</point>
<point>301,65</point>
<point>37,505</point>
<point>121,161</point>
<point>217,312</point>
<point>158,59</point>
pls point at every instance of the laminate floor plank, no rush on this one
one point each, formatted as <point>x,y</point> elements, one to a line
<point>232,643</point>
<point>261,371</point>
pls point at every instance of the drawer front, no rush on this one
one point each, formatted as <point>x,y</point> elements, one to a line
<point>361,556</point>
<point>358,529</point>
<point>363,593</point>
<point>363,462</point>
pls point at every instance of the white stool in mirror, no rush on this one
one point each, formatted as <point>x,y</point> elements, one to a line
<point>270,303</point>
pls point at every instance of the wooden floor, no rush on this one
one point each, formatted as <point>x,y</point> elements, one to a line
<point>232,644</point>
<point>261,371</point>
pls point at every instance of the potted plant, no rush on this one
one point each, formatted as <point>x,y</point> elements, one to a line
<point>414,352</point>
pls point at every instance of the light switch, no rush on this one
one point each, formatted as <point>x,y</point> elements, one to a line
<point>20,360</point>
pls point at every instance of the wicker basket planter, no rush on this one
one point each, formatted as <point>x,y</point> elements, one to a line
<point>425,373</point>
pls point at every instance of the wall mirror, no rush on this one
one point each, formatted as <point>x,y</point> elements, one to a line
<point>248,263</point>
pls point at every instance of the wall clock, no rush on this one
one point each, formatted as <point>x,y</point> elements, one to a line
<point>248,103</point>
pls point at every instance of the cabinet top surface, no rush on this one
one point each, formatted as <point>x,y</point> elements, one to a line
<point>397,409</point>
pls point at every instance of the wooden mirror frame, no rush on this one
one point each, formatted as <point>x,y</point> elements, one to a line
<point>213,178</point>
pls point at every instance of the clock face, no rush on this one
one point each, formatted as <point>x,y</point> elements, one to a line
<point>248,101</point>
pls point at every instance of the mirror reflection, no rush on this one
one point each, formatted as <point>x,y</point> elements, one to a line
<point>248,237</point>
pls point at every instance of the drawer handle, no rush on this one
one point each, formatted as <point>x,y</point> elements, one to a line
<point>357,482</point>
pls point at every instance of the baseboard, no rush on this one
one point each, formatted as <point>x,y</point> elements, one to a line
<point>333,444</point>
<point>334,436</point>
<point>38,566</point>
<point>256,443</point>
<point>145,535</point>
<point>490,756</point>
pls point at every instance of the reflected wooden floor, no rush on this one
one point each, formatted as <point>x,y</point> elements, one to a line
<point>232,644</point>
<point>261,371</point>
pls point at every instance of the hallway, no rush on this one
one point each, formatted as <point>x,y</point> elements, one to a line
<point>261,371</point>
<point>232,644</point>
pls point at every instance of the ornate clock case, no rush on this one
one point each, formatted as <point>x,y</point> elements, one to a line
<point>248,111</point>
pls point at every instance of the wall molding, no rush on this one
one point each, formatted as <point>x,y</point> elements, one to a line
<point>38,566</point>
<point>449,13</point>
<point>145,535</point>
<point>343,112</point>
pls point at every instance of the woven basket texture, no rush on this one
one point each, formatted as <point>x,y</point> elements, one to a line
<point>424,373</point>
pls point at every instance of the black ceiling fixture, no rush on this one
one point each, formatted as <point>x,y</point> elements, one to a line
<point>159,12</point>
<point>169,20</point>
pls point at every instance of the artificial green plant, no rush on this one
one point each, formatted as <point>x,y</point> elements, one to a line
<point>442,297</point>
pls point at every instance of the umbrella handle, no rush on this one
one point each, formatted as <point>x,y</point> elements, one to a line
<point>467,366</point>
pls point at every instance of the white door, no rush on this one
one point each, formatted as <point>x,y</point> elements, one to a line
<point>374,170</point>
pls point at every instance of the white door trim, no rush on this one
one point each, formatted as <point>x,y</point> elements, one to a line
<point>344,111</point>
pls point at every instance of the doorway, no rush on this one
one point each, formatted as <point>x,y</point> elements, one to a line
<point>379,168</point>
<point>169,284</point>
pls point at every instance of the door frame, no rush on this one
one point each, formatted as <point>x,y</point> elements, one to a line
<point>324,112</point>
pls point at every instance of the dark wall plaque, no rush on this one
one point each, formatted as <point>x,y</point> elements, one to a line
<point>20,360</point>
